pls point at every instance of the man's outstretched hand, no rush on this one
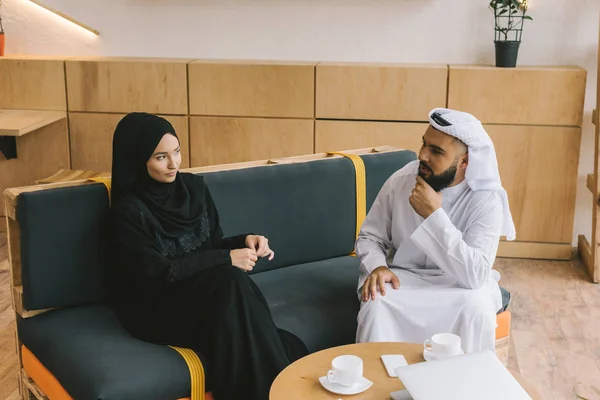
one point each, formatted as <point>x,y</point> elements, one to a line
<point>378,278</point>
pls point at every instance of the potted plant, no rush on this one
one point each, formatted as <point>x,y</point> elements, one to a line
<point>509,16</point>
<point>1,32</point>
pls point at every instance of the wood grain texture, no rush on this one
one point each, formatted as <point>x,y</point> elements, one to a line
<point>522,95</point>
<point>221,140</point>
<point>15,395</point>
<point>329,155</point>
<point>39,154</point>
<point>127,85</point>
<point>584,249</point>
<point>29,387</point>
<point>17,302</point>
<point>21,122</point>
<point>9,363</point>
<point>541,196</point>
<point>555,326</point>
<point>300,380</point>
<point>64,175</point>
<point>594,262</point>
<point>92,135</point>
<point>342,135</point>
<point>8,357</point>
<point>590,182</point>
<point>242,89</point>
<point>14,252</point>
<point>394,92</point>
<point>34,83</point>
<point>548,251</point>
<point>541,193</point>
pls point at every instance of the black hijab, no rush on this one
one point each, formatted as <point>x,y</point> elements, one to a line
<point>173,208</point>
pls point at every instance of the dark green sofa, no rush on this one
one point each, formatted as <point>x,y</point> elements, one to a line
<point>306,209</point>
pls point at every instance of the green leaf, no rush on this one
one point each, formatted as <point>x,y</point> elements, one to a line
<point>503,12</point>
<point>528,17</point>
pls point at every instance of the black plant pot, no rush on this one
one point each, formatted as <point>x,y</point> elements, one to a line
<point>506,53</point>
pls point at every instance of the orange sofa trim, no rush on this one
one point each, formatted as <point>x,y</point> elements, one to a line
<point>503,321</point>
<point>47,382</point>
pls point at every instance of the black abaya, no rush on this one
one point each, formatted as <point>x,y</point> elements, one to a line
<point>175,283</point>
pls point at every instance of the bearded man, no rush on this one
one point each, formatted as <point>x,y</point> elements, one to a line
<point>428,244</point>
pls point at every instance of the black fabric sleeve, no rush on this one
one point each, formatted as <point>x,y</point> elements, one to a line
<point>234,242</point>
<point>196,261</point>
<point>136,249</point>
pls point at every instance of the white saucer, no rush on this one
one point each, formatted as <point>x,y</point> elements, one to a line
<point>359,387</point>
<point>430,356</point>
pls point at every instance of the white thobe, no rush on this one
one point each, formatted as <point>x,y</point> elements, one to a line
<point>444,264</point>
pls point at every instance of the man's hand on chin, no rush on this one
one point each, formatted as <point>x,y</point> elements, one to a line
<point>378,278</point>
<point>424,200</point>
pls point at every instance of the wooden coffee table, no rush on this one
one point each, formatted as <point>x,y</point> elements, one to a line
<point>300,380</point>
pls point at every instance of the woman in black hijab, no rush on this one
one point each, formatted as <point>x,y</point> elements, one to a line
<point>180,282</point>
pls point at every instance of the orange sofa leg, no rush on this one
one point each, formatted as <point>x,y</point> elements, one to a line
<point>503,336</point>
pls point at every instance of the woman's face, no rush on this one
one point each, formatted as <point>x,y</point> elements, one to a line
<point>164,163</point>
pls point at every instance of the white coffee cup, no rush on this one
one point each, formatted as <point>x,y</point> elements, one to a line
<point>443,344</point>
<point>345,370</point>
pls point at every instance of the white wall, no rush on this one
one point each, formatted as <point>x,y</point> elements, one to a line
<point>412,31</point>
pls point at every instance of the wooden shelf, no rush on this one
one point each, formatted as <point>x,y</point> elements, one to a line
<point>590,184</point>
<point>585,252</point>
<point>21,122</point>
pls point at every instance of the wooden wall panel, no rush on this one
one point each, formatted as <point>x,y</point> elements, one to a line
<point>522,95</point>
<point>538,167</point>
<point>346,135</point>
<point>541,194</point>
<point>32,83</point>
<point>546,251</point>
<point>221,140</point>
<point>123,85</point>
<point>92,134</point>
<point>252,89</point>
<point>39,154</point>
<point>379,91</point>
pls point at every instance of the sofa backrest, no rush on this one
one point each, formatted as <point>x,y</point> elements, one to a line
<point>306,209</point>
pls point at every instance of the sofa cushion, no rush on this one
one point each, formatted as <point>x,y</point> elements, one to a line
<point>380,166</point>
<point>306,209</point>
<point>93,357</point>
<point>316,301</point>
<point>64,246</point>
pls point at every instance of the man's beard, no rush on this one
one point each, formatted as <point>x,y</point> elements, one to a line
<point>439,181</point>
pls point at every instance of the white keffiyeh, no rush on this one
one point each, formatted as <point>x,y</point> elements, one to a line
<point>482,170</point>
